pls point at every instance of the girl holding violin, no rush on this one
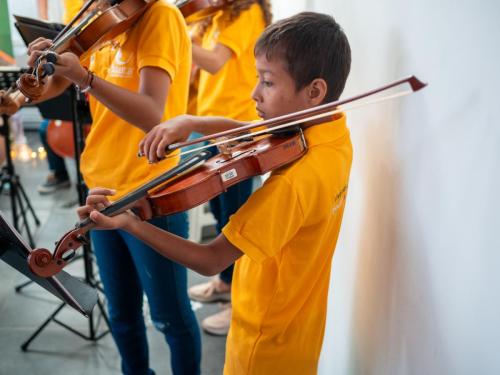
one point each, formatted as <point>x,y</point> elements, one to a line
<point>283,237</point>
<point>223,42</point>
<point>134,82</point>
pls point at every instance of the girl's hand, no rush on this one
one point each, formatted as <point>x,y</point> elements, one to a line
<point>35,48</point>
<point>67,65</point>
<point>96,201</point>
<point>7,105</point>
<point>154,145</point>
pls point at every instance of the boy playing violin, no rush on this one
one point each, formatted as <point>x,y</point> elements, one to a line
<point>284,236</point>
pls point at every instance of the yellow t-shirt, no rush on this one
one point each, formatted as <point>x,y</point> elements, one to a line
<point>288,230</point>
<point>159,39</point>
<point>71,8</point>
<point>228,92</point>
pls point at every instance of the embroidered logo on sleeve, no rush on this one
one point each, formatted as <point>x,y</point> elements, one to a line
<point>339,199</point>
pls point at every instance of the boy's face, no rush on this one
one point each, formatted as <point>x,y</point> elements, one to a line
<point>275,93</point>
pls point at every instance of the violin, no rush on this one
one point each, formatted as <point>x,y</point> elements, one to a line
<point>200,178</point>
<point>194,10</point>
<point>97,27</point>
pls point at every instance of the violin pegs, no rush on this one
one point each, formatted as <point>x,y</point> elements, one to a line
<point>51,57</point>
<point>49,68</point>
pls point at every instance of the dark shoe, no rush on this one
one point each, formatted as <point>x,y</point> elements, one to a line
<point>53,183</point>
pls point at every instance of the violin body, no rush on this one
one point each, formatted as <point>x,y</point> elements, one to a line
<point>108,25</point>
<point>219,173</point>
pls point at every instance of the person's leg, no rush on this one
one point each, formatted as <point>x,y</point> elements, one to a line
<point>165,284</point>
<point>124,297</point>
<point>56,163</point>
<point>58,178</point>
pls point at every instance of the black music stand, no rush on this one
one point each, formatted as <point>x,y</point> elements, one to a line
<point>70,106</point>
<point>19,201</point>
<point>14,251</point>
<point>31,28</point>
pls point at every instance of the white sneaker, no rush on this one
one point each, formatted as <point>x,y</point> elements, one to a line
<point>209,292</point>
<point>218,324</point>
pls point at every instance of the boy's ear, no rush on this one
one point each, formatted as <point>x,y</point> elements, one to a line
<point>317,91</point>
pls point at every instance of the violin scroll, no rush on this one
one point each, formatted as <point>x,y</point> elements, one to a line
<point>7,104</point>
<point>31,86</point>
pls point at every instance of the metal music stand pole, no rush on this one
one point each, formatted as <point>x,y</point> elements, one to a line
<point>79,141</point>
<point>19,200</point>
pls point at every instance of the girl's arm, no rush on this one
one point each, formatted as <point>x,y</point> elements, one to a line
<point>211,60</point>
<point>143,109</point>
<point>55,86</point>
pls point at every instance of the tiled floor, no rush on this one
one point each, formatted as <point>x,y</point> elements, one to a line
<point>56,350</point>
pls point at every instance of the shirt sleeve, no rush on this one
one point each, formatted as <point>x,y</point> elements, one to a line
<point>238,34</point>
<point>269,219</point>
<point>163,40</point>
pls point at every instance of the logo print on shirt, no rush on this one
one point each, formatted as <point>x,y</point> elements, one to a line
<point>121,66</point>
<point>339,199</point>
<point>119,58</point>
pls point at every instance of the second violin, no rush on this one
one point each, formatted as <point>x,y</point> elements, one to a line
<point>200,178</point>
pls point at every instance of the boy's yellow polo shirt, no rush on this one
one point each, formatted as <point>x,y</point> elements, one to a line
<point>228,92</point>
<point>288,230</point>
<point>71,8</point>
<point>159,39</point>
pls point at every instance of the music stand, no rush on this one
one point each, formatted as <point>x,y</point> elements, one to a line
<point>20,202</point>
<point>69,106</point>
<point>14,251</point>
<point>31,28</point>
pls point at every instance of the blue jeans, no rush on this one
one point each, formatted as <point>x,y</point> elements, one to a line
<point>56,163</point>
<point>129,267</point>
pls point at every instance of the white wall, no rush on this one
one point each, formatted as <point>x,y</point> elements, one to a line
<point>416,280</point>
<point>287,8</point>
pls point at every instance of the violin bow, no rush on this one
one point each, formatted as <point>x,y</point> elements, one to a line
<point>296,118</point>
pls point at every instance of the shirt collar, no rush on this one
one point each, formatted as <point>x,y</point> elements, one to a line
<point>327,131</point>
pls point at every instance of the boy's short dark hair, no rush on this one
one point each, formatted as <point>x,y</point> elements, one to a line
<point>313,46</point>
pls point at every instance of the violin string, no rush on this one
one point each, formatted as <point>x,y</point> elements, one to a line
<point>82,10</point>
<point>68,32</point>
<point>315,117</point>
